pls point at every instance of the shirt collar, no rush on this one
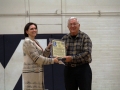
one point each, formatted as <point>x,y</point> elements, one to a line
<point>78,35</point>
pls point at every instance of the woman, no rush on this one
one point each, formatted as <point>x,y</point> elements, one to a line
<point>34,59</point>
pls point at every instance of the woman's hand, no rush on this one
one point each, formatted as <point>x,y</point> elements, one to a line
<point>56,60</point>
<point>49,45</point>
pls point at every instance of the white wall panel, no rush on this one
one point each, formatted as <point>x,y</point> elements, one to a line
<point>12,25</point>
<point>49,29</point>
<point>54,20</point>
<point>2,86</point>
<point>40,11</point>
<point>78,6</point>
<point>44,6</point>
<point>12,6</point>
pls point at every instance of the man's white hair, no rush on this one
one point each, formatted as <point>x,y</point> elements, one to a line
<point>73,18</point>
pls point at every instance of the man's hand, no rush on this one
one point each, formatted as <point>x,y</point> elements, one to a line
<point>68,58</point>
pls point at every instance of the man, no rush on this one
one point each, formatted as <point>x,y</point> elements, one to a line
<point>77,72</point>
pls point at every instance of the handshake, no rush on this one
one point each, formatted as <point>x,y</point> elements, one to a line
<point>57,59</point>
<point>64,59</point>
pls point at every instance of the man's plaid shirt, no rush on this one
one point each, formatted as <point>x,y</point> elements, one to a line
<point>79,48</point>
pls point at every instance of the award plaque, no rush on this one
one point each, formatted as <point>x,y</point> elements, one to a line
<point>58,49</point>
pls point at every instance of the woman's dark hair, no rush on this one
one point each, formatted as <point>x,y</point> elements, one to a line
<point>27,26</point>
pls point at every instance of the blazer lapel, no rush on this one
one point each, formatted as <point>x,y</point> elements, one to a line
<point>38,46</point>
